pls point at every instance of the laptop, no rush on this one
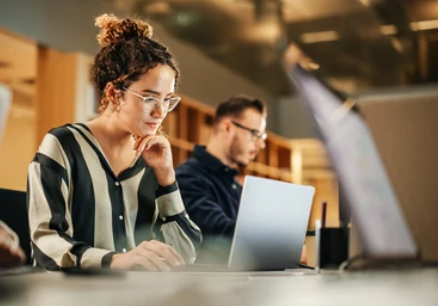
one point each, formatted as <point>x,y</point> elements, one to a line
<point>382,226</point>
<point>271,227</point>
<point>404,126</point>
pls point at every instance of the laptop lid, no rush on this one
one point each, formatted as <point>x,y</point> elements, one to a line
<point>404,125</point>
<point>382,227</point>
<point>271,225</point>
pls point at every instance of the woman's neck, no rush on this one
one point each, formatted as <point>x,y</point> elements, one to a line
<point>108,132</point>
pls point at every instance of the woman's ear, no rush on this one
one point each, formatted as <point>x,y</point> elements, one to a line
<point>111,92</point>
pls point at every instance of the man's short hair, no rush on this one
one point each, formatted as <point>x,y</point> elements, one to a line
<point>236,105</point>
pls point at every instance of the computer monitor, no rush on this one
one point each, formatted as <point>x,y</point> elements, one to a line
<point>382,226</point>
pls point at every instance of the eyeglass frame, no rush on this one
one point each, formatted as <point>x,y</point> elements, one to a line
<point>255,134</point>
<point>151,97</point>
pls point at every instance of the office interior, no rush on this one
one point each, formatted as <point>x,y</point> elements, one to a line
<point>371,52</point>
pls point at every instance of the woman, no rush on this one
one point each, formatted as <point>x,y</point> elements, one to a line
<point>99,193</point>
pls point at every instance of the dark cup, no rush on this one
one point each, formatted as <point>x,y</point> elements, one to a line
<point>332,247</point>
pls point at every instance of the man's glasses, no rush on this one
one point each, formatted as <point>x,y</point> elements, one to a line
<point>255,134</point>
<point>151,103</point>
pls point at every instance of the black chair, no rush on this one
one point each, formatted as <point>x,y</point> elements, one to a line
<point>13,212</point>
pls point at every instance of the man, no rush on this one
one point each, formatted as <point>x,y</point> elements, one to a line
<point>207,181</point>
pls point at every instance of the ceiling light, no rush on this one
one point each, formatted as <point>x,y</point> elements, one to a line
<point>365,2</point>
<point>315,37</point>
<point>268,31</point>
<point>186,18</point>
<point>396,43</point>
<point>313,66</point>
<point>388,29</point>
<point>424,25</point>
<point>244,3</point>
<point>125,5</point>
<point>157,8</point>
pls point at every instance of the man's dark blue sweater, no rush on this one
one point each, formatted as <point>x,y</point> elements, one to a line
<point>211,196</point>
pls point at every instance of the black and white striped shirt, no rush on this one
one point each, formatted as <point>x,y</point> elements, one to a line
<point>80,213</point>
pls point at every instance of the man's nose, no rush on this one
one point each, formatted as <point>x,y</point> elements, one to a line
<point>261,144</point>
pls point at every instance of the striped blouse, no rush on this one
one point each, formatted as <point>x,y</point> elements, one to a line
<point>81,214</point>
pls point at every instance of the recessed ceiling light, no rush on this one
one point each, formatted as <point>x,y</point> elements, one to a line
<point>365,2</point>
<point>316,37</point>
<point>157,8</point>
<point>396,43</point>
<point>389,29</point>
<point>424,25</point>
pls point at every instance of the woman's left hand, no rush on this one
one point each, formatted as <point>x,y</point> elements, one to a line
<point>157,153</point>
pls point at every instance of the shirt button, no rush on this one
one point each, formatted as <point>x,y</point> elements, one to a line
<point>120,217</point>
<point>226,169</point>
<point>117,184</point>
<point>234,186</point>
<point>164,218</point>
<point>124,250</point>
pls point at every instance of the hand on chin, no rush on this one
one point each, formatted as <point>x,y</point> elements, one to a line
<point>144,133</point>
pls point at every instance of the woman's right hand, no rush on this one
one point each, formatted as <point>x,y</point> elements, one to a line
<point>150,255</point>
<point>10,252</point>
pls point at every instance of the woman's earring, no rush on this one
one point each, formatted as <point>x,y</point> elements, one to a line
<point>116,103</point>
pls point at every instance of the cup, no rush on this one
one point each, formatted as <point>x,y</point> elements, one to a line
<point>332,244</point>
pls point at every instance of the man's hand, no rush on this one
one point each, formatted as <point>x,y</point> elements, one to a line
<point>157,153</point>
<point>10,252</point>
<point>150,255</point>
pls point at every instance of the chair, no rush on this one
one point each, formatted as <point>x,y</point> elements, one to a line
<point>13,212</point>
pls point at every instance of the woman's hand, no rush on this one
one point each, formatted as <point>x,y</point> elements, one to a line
<point>150,255</point>
<point>157,153</point>
<point>10,252</point>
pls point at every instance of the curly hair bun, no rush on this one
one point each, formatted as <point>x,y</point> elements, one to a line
<point>115,30</point>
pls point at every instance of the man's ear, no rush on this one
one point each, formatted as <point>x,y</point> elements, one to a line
<point>225,125</point>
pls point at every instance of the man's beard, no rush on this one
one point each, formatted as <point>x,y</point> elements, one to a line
<point>236,151</point>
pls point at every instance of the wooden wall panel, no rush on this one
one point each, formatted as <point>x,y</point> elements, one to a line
<point>56,90</point>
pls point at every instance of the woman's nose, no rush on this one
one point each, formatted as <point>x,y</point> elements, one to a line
<point>159,111</point>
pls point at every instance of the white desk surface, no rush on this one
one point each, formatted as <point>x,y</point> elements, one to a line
<point>408,287</point>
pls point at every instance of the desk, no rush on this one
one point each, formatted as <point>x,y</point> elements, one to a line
<point>415,287</point>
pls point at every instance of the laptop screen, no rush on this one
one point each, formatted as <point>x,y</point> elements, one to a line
<point>382,227</point>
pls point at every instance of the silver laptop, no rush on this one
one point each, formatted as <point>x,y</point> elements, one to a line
<point>271,225</point>
<point>382,226</point>
<point>270,230</point>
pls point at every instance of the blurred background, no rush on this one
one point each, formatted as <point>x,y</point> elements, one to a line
<point>224,47</point>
